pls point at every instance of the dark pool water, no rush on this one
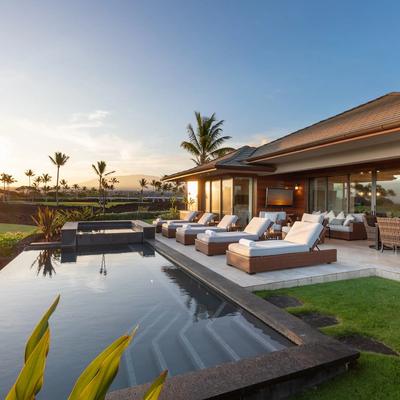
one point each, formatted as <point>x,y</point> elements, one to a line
<point>183,326</point>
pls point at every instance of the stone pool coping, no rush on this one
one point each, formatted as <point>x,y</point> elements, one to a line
<point>275,375</point>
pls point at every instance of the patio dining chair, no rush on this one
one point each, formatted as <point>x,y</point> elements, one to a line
<point>389,230</point>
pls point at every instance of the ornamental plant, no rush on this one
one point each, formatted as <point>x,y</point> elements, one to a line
<point>94,381</point>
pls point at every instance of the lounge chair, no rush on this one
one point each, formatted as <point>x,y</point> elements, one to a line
<point>188,233</point>
<point>213,243</point>
<point>159,221</point>
<point>169,227</point>
<point>298,249</point>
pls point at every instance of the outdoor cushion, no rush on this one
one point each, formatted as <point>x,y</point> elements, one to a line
<point>226,237</point>
<point>340,228</point>
<point>316,213</point>
<point>191,216</point>
<point>349,219</point>
<point>206,218</point>
<point>268,248</point>
<point>319,218</point>
<point>359,217</point>
<point>304,233</point>
<point>194,230</point>
<point>337,221</point>
<point>331,215</point>
<point>341,215</point>
<point>227,221</point>
<point>257,226</point>
<point>274,216</point>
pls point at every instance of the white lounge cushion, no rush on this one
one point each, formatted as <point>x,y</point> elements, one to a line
<point>206,218</point>
<point>286,229</point>
<point>195,230</point>
<point>349,219</point>
<point>318,218</point>
<point>226,237</point>
<point>341,228</point>
<point>247,242</point>
<point>306,233</point>
<point>257,226</point>
<point>268,248</point>
<point>227,221</point>
<point>277,227</point>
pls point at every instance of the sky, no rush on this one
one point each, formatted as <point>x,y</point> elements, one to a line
<point>120,80</point>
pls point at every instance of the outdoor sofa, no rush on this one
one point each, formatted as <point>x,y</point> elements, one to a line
<point>169,227</point>
<point>345,227</point>
<point>298,249</point>
<point>188,233</point>
<point>213,243</point>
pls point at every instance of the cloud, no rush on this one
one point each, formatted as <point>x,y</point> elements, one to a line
<point>86,138</point>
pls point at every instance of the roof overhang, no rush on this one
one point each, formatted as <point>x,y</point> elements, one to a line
<point>350,138</point>
<point>220,169</point>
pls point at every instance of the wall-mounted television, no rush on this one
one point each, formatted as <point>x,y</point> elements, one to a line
<point>279,197</point>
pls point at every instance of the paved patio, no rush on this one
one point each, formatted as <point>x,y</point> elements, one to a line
<point>355,260</point>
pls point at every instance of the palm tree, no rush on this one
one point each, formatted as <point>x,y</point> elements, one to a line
<point>58,160</point>
<point>46,178</point>
<point>143,185</point>
<point>63,184</point>
<point>3,179</point>
<point>205,144</point>
<point>9,180</point>
<point>75,186</point>
<point>29,173</point>
<point>100,170</point>
<point>156,184</point>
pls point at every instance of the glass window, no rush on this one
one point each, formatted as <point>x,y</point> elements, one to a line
<point>216,197</point>
<point>192,195</point>
<point>207,196</point>
<point>388,193</point>
<point>242,199</point>
<point>360,192</point>
<point>337,193</point>
<point>227,197</point>
<point>318,194</point>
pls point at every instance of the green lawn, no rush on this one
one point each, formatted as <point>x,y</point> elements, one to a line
<point>5,228</point>
<point>367,306</point>
<point>82,203</point>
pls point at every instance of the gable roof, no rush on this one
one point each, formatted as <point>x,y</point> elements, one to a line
<point>378,114</point>
<point>235,159</point>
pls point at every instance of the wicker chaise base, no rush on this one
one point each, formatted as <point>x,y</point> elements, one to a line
<point>252,265</point>
<point>168,232</point>
<point>211,249</point>
<point>184,238</point>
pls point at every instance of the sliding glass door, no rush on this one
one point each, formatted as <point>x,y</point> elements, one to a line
<point>243,199</point>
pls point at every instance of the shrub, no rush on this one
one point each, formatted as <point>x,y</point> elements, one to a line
<point>8,241</point>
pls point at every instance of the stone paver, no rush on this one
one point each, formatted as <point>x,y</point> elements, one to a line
<point>355,260</point>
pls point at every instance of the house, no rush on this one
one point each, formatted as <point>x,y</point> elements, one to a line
<point>349,162</point>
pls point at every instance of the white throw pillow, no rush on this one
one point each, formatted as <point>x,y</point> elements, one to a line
<point>341,215</point>
<point>247,243</point>
<point>331,215</point>
<point>349,219</point>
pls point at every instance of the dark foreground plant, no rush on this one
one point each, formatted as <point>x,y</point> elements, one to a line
<point>94,381</point>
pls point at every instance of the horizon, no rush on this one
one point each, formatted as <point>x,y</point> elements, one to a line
<point>120,83</point>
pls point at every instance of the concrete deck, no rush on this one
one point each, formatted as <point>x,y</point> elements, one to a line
<point>355,260</point>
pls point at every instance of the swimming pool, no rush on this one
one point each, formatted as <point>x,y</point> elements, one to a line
<point>183,325</point>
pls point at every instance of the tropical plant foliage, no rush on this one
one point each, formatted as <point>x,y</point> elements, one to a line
<point>94,381</point>
<point>58,160</point>
<point>48,222</point>
<point>205,142</point>
<point>8,241</point>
